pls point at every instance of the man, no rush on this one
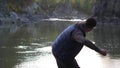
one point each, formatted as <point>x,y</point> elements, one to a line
<point>69,43</point>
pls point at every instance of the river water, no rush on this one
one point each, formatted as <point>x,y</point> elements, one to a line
<point>28,45</point>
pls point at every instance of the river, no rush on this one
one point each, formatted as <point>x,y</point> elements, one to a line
<point>29,45</point>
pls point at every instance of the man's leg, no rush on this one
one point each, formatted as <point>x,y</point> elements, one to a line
<point>71,63</point>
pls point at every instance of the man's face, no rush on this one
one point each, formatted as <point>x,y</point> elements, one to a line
<point>88,29</point>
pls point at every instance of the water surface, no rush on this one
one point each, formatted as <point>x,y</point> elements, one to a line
<point>29,45</point>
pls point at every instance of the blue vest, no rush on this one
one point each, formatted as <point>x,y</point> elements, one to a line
<point>65,47</point>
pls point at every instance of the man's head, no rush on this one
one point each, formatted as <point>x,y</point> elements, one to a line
<point>90,23</point>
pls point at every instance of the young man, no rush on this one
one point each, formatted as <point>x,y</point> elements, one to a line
<point>69,43</point>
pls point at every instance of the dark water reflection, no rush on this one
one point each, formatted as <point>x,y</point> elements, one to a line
<point>108,37</point>
<point>28,45</point>
<point>19,42</point>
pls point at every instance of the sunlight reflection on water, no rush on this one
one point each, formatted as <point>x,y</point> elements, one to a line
<point>86,59</point>
<point>58,19</point>
<point>45,60</point>
<point>91,59</point>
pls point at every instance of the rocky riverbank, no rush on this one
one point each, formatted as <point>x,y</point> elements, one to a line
<point>107,11</point>
<point>33,11</point>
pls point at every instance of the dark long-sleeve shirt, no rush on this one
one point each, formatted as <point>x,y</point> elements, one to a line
<point>70,42</point>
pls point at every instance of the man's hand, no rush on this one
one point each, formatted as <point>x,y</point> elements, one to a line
<point>103,52</point>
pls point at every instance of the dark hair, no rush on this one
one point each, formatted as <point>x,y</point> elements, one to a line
<point>90,22</point>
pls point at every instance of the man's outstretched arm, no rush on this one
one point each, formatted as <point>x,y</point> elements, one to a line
<point>78,36</point>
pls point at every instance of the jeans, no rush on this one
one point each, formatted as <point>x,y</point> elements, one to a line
<point>69,63</point>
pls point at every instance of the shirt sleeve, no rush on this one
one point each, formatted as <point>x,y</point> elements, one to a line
<point>78,36</point>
